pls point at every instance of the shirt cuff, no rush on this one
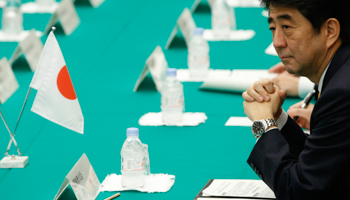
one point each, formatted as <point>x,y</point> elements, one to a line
<point>304,86</point>
<point>282,120</point>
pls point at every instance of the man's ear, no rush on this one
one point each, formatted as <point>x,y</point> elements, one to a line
<point>332,27</point>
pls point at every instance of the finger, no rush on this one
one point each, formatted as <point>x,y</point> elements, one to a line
<point>302,113</point>
<point>259,92</point>
<point>268,85</point>
<point>282,94</point>
<point>247,97</point>
<point>297,105</point>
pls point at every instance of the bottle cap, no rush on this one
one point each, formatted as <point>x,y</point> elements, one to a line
<point>132,132</point>
<point>198,31</point>
<point>171,72</point>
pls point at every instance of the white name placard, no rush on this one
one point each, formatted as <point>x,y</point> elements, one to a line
<point>8,81</point>
<point>156,64</point>
<point>83,181</point>
<point>186,25</point>
<point>31,47</point>
<point>66,15</point>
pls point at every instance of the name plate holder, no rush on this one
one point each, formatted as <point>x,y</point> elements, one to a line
<point>156,64</point>
<point>31,47</point>
<point>66,15</point>
<point>83,180</point>
<point>8,81</point>
<point>186,25</point>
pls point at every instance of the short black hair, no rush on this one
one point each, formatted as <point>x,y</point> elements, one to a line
<point>318,12</point>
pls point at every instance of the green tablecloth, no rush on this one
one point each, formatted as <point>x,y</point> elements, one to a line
<point>105,56</point>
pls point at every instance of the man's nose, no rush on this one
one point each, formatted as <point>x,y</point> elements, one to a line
<point>279,39</point>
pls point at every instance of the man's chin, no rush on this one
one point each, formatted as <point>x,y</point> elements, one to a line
<point>290,67</point>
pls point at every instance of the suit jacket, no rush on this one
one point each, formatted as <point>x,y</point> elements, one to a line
<point>296,166</point>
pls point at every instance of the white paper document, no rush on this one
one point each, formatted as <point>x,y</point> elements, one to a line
<point>189,119</point>
<point>82,179</point>
<point>183,75</point>
<point>234,35</point>
<point>186,25</point>
<point>8,81</point>
<point>153,183</point>
<point>239,121</point>
<point>34,7</point>
<point>239,188</point>
<point>31,47</point>
<point>157,65</point>
<point>270,50</point>
<point>239,81</point>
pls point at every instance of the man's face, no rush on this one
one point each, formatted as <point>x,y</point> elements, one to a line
<point>300,49</point>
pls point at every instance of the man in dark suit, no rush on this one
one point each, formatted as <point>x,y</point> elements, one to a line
<point>312,39</point>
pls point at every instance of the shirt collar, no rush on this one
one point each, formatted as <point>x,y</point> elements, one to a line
<point>320,84</point>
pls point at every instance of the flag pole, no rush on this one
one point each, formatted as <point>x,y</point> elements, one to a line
<point>12,137</point>
<point>19,118</point>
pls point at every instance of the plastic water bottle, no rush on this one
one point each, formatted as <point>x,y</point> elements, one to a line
<point>132,163</point>
<point>12,17</point>
<point>220,19</point>
<point>172,98</point>
<point>198,55</point>
<point>45,2</point>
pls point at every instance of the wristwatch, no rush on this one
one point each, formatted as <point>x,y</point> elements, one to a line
<point>260,126</point>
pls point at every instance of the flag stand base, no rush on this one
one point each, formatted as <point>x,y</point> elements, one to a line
<point>14,162</point>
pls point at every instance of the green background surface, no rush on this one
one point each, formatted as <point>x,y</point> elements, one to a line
<point>105,55</point>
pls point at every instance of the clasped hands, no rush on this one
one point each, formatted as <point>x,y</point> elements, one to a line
<point>263,100</point>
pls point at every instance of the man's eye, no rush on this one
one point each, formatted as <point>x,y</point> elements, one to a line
<point>272,28</point>
<point>285,27</point>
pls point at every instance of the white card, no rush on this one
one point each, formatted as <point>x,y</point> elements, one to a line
<point>239,121</point>
<point>157,65</point>
<point>31,47</point>
<point>234,35</point>
<point>2,3</point>
<point>82,179</point>
<point>67,15</point>
<point>96,3</point>
<point>186,24</point>
<point>34,7</point>
<point>8,81</point>
<point>188,119</point>
<point>270,50</point>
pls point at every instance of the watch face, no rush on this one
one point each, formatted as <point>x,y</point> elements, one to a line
<point>257,128</point>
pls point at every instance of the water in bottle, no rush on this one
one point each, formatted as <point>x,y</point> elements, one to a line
<point>132,162</point>
<point>198,55</point>
<point>220,19</point>
<point>12,17</point>
<point>172,100</point>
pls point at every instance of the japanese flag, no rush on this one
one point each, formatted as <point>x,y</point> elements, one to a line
<point>56,99</point>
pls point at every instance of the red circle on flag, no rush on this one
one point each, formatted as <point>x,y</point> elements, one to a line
<point>64,84</point>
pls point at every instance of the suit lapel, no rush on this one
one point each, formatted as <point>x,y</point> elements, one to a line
<point>337,62</point>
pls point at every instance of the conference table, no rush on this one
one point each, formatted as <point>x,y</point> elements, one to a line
<point>105,56</point>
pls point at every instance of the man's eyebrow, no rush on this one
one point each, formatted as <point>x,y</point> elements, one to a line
<point>284,16</point>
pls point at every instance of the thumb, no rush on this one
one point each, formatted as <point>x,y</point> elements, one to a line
<point>282,94</point>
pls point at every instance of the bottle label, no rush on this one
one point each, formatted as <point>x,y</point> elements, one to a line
<point>173,101</point>
<point>132,164</point>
